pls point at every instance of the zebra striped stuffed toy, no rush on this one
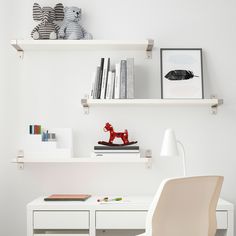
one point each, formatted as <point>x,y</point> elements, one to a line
<point>71,28</point>
<point>47,29</point>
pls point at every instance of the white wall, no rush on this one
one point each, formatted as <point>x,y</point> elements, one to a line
<point>47,87</point>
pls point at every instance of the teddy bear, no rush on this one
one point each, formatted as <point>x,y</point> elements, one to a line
<point>47,29</point>
<point>71,28</point>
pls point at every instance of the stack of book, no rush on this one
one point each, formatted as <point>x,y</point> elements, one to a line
<point>116,83</point>
<point>116,151</point>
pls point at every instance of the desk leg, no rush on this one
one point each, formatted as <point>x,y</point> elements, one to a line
<point>92,223</point>
<point>230,230</point>
<point>30,230</point>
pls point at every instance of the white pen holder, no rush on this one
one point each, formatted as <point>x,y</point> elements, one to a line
<point>62,147</point>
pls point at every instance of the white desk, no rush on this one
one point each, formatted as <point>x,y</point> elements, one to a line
<point>89,216</point>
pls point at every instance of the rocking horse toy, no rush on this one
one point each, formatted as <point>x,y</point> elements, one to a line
<point>113,135</point>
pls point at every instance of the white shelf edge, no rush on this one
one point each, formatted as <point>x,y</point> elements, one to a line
<point>30,44</point>
<point>81,160</point>
<point>210,101</point>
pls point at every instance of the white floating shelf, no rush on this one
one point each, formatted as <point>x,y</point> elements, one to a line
<point>213,102</point>
<point>46,45</point>
<point>20,161</point>
<point>82,160</point>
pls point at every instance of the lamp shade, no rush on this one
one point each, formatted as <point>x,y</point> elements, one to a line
<point>169,145</point>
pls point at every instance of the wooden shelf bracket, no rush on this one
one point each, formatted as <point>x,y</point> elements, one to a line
<point>19,50</point>
<point>84,102</point>
<point>214,108</point>
<point>19,158</point>
<point>148,155</point>
<point>149,48</point>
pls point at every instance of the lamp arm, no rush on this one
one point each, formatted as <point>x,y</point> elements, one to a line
<point>183,156</point>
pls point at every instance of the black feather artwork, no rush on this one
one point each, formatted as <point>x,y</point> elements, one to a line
<point>180,75</point>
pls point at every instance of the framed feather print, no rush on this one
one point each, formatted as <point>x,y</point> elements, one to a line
<point>181,73</point>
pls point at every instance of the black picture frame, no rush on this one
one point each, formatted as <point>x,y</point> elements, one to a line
<point>182,75</point>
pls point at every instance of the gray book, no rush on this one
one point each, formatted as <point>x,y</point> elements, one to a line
<point>123,79</point>
<point>130,78</point>
<point>100,78</point>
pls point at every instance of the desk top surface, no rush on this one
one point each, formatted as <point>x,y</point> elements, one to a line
<point>128,203</point>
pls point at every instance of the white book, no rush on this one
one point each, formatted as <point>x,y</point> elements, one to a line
<point>130,78</point>
<point>109,85</point>
<point>116,155</point>
<point>105,77</point>
<point>92,89</point>
<point>117,82</point>
<point>117,151</point>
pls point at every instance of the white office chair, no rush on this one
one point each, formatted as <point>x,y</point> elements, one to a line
<point>185,207</point>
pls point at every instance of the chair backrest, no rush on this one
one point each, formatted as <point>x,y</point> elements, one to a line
<point>185,207</point>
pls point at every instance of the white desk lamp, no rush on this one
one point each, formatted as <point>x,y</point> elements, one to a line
<point>169,147</point>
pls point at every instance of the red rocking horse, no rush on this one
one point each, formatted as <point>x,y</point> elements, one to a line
<point>123,135</point>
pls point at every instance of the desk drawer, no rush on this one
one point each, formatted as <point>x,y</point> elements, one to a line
<point>222,219</point>
<point>120,219</point>
<point>61,219</point>
<point>137,219</point>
